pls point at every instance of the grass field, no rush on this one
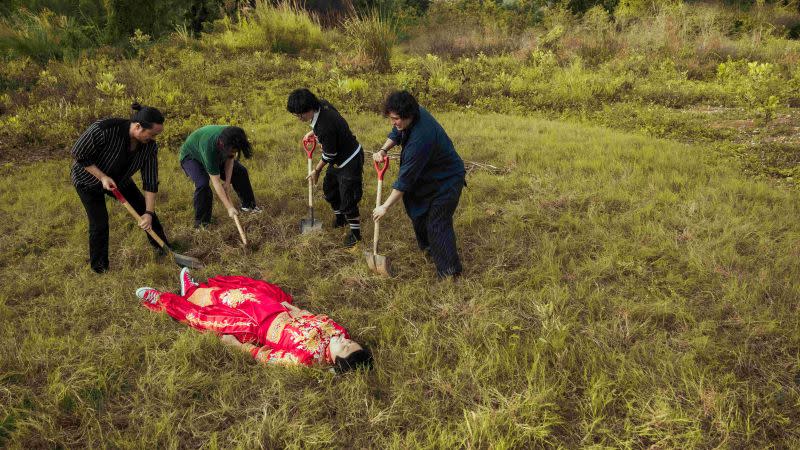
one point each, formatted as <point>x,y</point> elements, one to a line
<point>619,291</point>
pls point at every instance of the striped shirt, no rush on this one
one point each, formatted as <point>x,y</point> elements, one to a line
<point>106,144</point>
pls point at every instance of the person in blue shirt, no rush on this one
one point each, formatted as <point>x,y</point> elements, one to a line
<point>429,182</point>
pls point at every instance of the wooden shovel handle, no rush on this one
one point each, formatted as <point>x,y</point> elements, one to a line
<point>241,230</point>
<point>377,223</point>
<point>136,215</point>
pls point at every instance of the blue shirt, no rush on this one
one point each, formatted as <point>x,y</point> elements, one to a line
<point>429,164</point>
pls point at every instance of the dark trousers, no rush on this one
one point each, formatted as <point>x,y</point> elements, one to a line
<point>434,232</point>
<point>203,197</point>
<point>343,186</point>
<point>95,204</point>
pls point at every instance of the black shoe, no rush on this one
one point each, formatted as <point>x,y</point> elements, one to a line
<point>351,240</point>
<point>340,221</point>
<point>198,225</point>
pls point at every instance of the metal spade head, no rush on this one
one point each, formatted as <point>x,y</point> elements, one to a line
<point>310,225</point>
<point>378,263</point>
<point>186,261</point>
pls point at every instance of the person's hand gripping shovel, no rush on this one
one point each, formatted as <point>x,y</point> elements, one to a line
<point>181,260</point>
<point>310,224</point>
<point>378,263</point>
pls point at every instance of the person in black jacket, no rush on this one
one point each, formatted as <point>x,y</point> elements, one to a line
<point>343,182</point>
<point>105,157</point>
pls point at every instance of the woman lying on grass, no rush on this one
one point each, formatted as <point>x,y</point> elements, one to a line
<point>258,318</point>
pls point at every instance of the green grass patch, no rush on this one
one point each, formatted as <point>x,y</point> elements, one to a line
<point>619,291</point>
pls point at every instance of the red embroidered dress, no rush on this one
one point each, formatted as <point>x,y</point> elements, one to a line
<point>251,311</point>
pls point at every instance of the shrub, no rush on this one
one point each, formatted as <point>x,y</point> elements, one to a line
<point>595,40</point>
<point>461,29</point>
<point>372,37</point>
<point>41,36</point>
<point>757,85</point>
<point>282,28</point>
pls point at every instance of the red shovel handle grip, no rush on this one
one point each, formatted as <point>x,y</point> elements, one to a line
<point>309,145</point>
<point>119,196</point>
<point>382,169</point>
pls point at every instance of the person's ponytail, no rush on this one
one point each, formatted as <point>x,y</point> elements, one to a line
<point>146,116</point>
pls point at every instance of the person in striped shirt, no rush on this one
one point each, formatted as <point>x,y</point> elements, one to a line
<point>106,156</point>
<point>343,185</point>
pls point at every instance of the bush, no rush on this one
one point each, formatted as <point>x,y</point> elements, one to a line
<point>757,85</point>
<point>372,37</point>
<point>463,28</point>
<point>282,28</point>
<point>42,36</point>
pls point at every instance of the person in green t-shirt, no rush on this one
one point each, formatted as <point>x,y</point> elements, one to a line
<point>209,157</point>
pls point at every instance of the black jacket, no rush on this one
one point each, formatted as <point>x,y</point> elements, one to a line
<point>338,142</point>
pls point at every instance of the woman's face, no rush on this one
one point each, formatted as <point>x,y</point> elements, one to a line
<point>342,347</point>
<point>398,122</point>
<point>145,135</point>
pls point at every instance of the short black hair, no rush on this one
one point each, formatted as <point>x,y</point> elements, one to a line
<point>302,100</point>
<point>359,358</point>
<point>234,138</point>
<point>146,116</point>
<point>401,103</point>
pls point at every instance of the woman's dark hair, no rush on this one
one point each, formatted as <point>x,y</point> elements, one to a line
<point>401,103</point>
<point>146,116</point>
<point>234,138</point>
<point>359,358</point>
<point>301,101</point>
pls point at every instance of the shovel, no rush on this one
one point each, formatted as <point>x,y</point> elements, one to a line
<point>378,263</point>
<point>310,224</point>
<point>181,260</point>
<point>241,230</point>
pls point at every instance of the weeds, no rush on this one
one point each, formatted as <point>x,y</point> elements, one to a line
<point>646,303</point>
<point>620,290</point>
<point>282,28</point>
<point>372,37</point>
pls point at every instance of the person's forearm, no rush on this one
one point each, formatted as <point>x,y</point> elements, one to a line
<point>320,165</point>
<point>94,170</point>
<point>229,170</point>
<point>149,201</point>
<point>216,182</point>
<point>295,309</point>
<point>393,198</point>
<point>388,145</point>
<point>230,340</point>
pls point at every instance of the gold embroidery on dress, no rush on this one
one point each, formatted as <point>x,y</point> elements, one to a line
<point>236,297</point>
<point>276,327</point>
<point>193,319</point>
<point>308,336</point>
<point>263,355</point>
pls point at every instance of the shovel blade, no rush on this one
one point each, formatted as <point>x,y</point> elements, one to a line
<point>378,263</point>
<point>187,261</point>
<point>309,226</point>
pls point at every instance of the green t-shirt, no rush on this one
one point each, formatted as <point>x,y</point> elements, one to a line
<point>201,146</point>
